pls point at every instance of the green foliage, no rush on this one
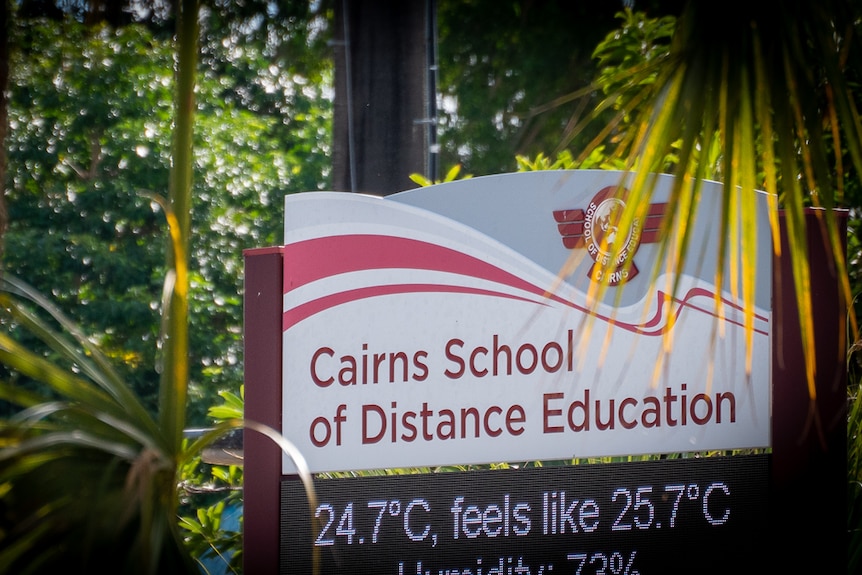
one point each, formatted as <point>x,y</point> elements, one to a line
<point>78,230</point>
<point>519,78</point>
<point>89,472</point>
<point>596,160</point>
<point>88,475</point>
<point>82,151</point>
<point>500,64</point>
<point>213,494</point>
<point>207,538</point>
<point>450,176</point>
<point>89,478</point>
<point>637,47</point>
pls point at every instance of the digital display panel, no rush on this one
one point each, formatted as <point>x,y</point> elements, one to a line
<point>694,515</point>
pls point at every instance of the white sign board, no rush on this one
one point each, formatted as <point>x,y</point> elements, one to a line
<point>431,328</point>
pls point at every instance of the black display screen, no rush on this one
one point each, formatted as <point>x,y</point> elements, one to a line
<point>692,516</point>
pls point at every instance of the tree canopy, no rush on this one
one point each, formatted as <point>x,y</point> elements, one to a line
<point>86,154</point>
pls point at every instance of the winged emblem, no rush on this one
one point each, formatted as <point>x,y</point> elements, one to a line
<point>597,229</point>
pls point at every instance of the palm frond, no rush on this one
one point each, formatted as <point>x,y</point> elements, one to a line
<point>765,101</point>
<point>102,386</point>
<point>82,455</point>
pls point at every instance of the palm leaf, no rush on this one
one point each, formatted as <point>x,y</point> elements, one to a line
<point>83,457</point>
<point>174,382</point>
<point>770,91</point>
<point>78,352</point>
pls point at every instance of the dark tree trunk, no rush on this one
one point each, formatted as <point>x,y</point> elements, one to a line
<point>381,126</point>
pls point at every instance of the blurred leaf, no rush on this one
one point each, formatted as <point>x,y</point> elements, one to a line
<point>767,101</point>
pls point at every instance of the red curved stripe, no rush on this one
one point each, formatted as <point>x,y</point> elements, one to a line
<point>318,258</point>
<point>314,259</point>
<point>296,314</point>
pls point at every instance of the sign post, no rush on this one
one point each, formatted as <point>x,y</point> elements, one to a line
<point>809,438</point>
<point>262,374</point>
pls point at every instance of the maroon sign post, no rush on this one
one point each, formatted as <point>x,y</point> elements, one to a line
<point>262,365</point>
<point>809,438</point>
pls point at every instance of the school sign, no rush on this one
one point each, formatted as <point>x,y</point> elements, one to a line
<point>430,328</point>
<point>453,325</point>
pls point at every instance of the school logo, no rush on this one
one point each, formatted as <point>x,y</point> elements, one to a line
<point>597,228</point>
